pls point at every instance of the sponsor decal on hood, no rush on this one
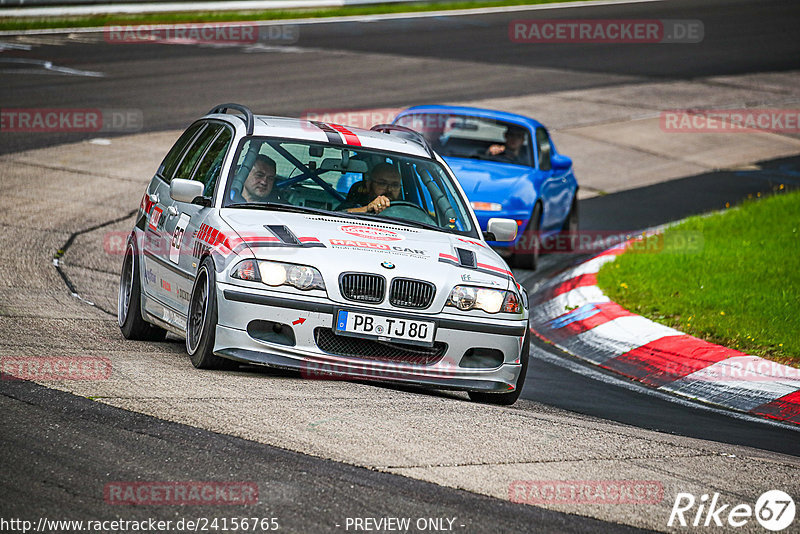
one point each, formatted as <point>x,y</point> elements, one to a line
<point>353,244</point>
<point>371,232</point>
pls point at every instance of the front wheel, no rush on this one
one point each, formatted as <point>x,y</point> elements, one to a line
<point>129,302</point>
<point>201,324</point>
<point>507,399</point>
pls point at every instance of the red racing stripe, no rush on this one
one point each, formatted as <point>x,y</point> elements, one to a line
<point>584,280</point>
<point>308,239</point>
<point>349,137</point>
<point>247,238</point>
<point>669,358</point>
<point>786,408</point>
<point>493,268</point>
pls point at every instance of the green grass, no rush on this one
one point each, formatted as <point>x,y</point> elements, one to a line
<point>737,284</point>
<point>28,23</point>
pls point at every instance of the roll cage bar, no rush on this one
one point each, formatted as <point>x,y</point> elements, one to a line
<point>415,135</point>
<point>248,118</point>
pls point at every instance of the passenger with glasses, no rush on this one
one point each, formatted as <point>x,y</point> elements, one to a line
<point>376,192</point>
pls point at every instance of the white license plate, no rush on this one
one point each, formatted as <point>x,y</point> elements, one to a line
<point>385,328</point>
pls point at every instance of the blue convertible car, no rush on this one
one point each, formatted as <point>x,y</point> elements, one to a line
<point>508,167</point>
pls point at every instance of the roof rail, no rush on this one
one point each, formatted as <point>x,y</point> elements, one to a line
<point>415,135</point>
<point>248,119</point>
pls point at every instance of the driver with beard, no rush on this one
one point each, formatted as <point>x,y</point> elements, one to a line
<point>376,192</point>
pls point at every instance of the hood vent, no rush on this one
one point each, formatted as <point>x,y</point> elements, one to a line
<point>283,233</point>
<point>466,258</point>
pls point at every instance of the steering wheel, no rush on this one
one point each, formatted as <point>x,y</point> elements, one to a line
<point>403,209</point>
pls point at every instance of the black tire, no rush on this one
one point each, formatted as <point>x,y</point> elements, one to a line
<point>570,227</point>
<point>507,399</point>
<point>528,257</point>
<point>129,301</point>
<point>201,322</point>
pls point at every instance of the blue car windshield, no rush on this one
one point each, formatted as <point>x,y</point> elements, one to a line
<point>464,136</point>
<point>348,181</point>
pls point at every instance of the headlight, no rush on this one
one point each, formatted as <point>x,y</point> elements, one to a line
<point>489,300</point>
<point>303,277</point>
<point>272,274</point>
<point>246,270</point>
<point>276,274</point>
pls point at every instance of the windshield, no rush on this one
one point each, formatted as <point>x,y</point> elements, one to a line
<point>357,183</point>
<point>463,136</point>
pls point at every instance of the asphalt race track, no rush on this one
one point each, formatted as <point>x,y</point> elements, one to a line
<point>345,66</point>
<point>59,448</point>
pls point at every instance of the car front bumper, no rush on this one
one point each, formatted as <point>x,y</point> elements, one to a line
<point>238,306</point>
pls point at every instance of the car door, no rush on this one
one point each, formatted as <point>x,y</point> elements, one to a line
<point>202,162</point>
<point>155,244</point>
<point>561,200</point>
<point>552,186</point>
<point>208,172</point>
<point>174,221</point>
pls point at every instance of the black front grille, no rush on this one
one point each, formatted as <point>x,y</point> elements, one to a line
<point>360,287</point>
<point>408,293</point>
<point>384,351</point>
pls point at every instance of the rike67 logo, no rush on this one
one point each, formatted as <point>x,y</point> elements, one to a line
<point>774,510</point>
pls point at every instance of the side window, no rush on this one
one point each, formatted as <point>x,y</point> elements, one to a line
<point>543,146</point>
<point>210,166</point>
<point>196,151</point>
<point>167,168</point>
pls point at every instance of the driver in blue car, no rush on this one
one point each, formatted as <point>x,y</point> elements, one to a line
<point>376,192</point>
<point>512,150</point>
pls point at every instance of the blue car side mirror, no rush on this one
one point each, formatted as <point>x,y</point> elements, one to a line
<point>560,162</point>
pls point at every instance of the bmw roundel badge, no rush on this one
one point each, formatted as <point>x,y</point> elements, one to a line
<point>388,265</point>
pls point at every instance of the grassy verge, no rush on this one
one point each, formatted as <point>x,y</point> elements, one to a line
<point>28,23</point>
<point>737,283</point>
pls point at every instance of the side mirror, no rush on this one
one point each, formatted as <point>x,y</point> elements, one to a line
<point>560,163</point>
<point>182,190</point>
<point>501,229</point>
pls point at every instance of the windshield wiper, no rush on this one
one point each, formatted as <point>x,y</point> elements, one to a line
<point>277,207</point>
<point>407,222</point>
<point>344,214</point>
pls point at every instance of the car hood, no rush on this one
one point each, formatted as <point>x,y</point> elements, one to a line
<point>337,244</point>
<point>489,181</point>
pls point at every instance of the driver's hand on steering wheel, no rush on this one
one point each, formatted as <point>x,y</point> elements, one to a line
<point>496,150</point>
<point>379,204</point>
